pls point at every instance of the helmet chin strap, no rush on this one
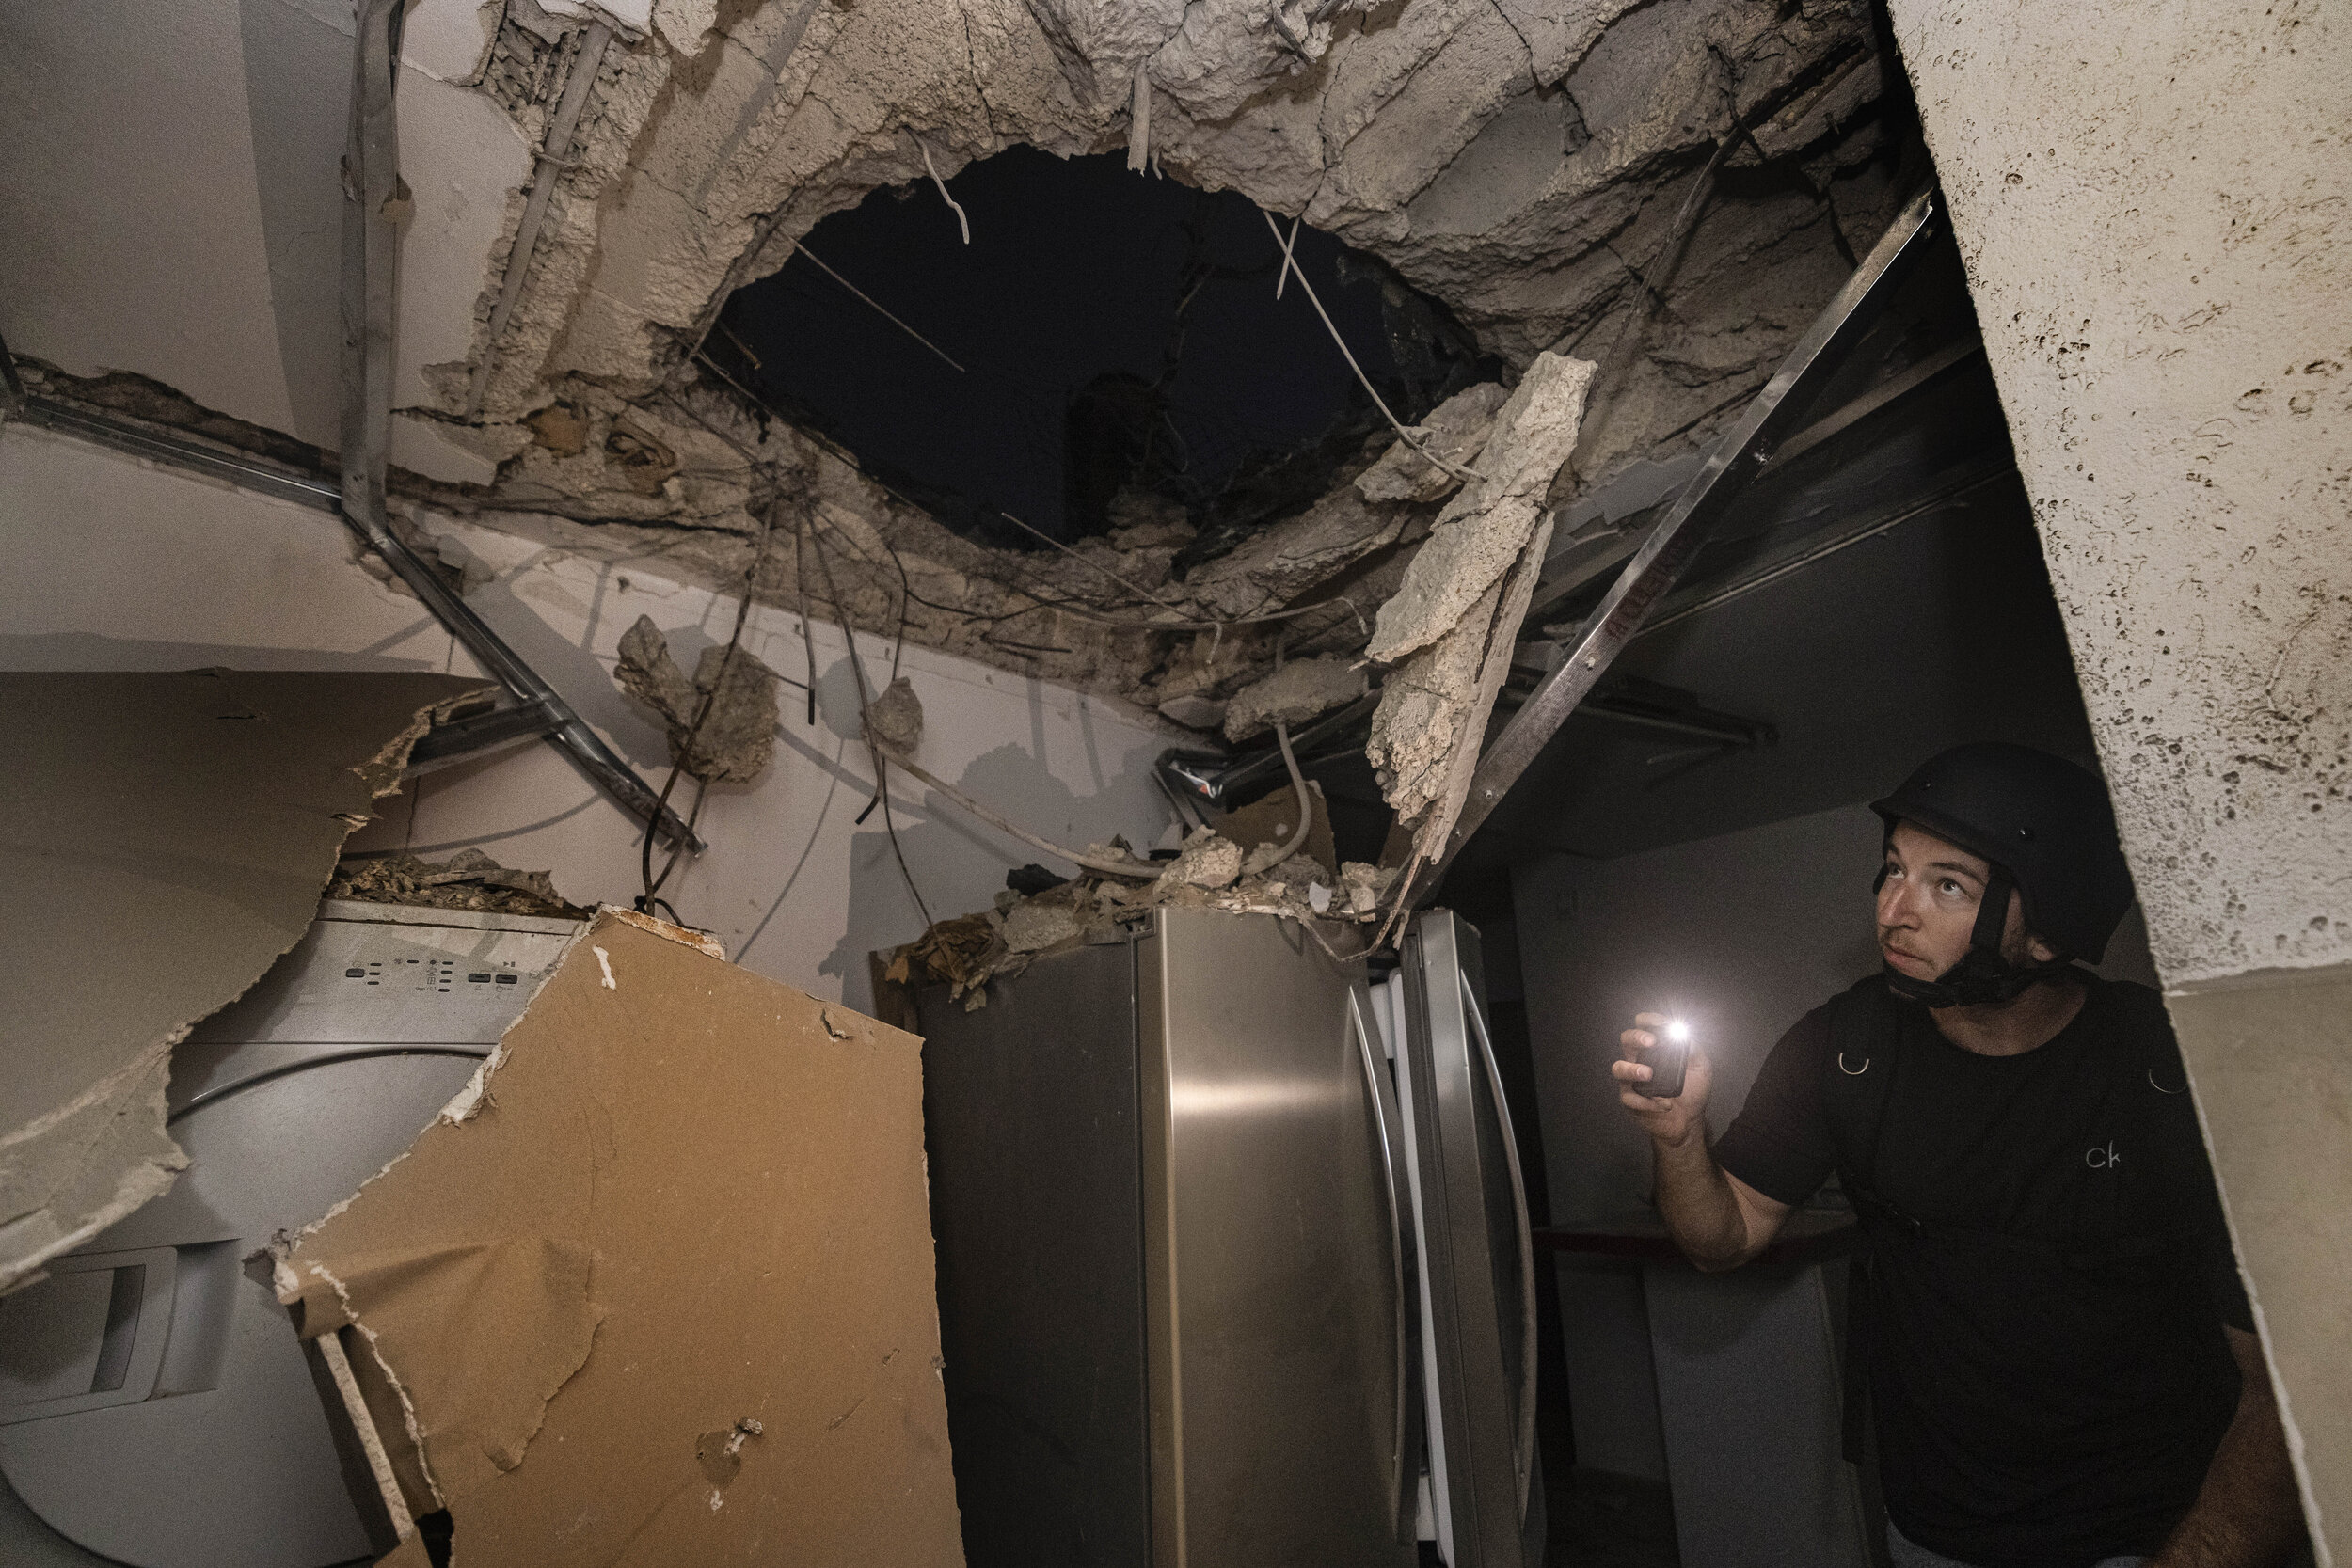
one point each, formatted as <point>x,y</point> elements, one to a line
<point>1982,975</point>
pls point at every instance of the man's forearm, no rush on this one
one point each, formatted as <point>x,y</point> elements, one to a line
<point>1699,1204</point>
<point>2246,1515</point>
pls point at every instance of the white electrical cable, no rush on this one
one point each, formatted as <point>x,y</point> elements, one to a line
<point>932,170</point>
<point>1404,432</point>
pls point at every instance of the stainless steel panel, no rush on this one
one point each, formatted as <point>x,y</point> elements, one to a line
<point>1473,1255</point>
<point>1404,1456</point>
<point>1029,1110</point>
<point>1272,1301</point>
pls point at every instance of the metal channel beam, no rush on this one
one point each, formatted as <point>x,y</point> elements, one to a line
<point>535,703</point>
<point>371,244</point>
<point>1738,458</point>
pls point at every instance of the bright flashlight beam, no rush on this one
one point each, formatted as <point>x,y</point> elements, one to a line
<point>1678,1030</point>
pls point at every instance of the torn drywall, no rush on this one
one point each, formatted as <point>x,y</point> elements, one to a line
<point>169,835</point>
<point>661,1291</point>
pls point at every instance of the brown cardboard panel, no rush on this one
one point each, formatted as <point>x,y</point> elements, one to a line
<point>164,840</point>
<point>661,1291</point>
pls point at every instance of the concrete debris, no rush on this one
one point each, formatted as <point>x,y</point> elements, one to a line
<point>1206,860</point>
<point>896,717</point>
<point>1483,530</point>
<point>1032,925</point>
<point>1456,430</point>
<point>1264,826</point>
<point>967,952</point>
<point>1366,886</point>
<point>1422,703</point>
<point>1521,165</point>
<point>1517,162</point>
<point>469,880</point>
<point>1194,712</point>
<point>734,739</point>
<point>1301,690</point>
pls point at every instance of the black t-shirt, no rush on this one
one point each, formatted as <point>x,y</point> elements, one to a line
<point>2044,1352</point>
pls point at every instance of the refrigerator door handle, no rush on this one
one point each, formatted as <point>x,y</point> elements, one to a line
<point>1402,1486</point>
<point>1527,1240</point>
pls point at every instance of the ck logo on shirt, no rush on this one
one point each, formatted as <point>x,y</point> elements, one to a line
<point>2100,1159</point>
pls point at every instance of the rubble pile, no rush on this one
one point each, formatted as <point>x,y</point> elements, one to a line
<point>469,880</point>
<point>1211,870</point>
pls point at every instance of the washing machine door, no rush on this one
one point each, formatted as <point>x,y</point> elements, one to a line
<point>157,1408</point>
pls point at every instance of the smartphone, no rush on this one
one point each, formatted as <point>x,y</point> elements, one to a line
<point>1666,1061</point>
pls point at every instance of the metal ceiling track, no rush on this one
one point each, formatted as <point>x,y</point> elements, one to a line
<point>373,201</point>
<point>1742,453</point>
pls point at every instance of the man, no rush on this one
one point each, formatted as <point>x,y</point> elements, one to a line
<point>2057,1354</point>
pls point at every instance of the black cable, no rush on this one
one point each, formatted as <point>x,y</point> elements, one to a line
<point>652,884</point>
<point>882,775</point>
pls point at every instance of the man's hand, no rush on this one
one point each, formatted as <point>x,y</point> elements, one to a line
<point>1717,1219</point>
<point>1673,1122</point>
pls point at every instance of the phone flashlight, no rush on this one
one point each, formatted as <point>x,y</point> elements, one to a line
<point>1667,1061</point>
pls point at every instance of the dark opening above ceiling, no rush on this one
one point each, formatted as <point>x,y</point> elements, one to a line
<point>1113,330</point>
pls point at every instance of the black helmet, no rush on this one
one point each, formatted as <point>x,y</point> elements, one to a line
<point>2041,819</point>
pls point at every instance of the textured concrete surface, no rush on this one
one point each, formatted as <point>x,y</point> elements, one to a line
<point>2154,208</point>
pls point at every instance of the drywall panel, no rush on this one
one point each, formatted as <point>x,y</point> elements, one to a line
<point>131,227</point>
<point>658,1287</point>
<point>114,564</point>
<point>166,839</point>
<point>2267,1055</point>
<point>172,203</point>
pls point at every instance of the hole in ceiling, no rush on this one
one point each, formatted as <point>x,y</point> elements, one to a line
<point>1104,338</point>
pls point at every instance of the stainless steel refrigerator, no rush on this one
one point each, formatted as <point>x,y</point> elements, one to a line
<point>1234,1263</point>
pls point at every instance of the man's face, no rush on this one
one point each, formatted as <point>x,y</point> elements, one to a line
<point>1927,909</point>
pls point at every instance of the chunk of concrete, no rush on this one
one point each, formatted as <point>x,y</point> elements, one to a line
<point>1302,690</point>
<point>1457,430</point>
<point>734,741</point>
<point>1206,860</point>
<point>1484,529</point>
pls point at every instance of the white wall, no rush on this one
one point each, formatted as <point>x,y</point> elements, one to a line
<point>169,201</point>
<point>2155,203</point>
<point>114,564</point>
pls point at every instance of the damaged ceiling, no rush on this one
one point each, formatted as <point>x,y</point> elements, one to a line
<point>1666,194</point>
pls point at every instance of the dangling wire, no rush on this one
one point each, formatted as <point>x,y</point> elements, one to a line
<point>647,900</point>
<point>873,748</point>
